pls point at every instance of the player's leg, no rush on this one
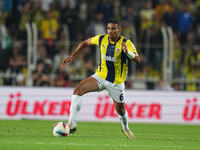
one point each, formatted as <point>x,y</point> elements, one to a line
<point>117,94</point>
<point>123,117</point>
<point>87,85</point>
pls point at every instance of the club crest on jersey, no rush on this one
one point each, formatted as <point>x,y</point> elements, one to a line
<point>117,50</point>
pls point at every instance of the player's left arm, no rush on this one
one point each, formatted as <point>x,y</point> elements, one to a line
<point>130,50</point>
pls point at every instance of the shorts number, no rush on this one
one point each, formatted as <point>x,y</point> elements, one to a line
<point>121,97</point>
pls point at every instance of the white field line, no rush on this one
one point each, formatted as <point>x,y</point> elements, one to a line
<point>108,145</point>
<point>154,135</point>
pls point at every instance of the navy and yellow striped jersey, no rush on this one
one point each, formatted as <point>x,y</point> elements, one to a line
<point>113,61</point>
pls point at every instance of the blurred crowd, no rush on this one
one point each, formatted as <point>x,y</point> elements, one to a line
<point>141,22</point>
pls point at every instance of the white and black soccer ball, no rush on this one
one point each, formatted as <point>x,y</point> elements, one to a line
<point>61,129</point>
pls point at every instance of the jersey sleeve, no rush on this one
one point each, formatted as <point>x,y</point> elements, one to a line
<point>95,40</point>
<point>131,47</point>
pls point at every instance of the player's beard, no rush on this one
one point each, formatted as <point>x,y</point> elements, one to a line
<point>112,38</point>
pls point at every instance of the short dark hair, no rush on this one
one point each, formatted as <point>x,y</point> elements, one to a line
<point>114,21</point>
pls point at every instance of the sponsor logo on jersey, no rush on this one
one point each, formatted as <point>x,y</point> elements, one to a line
<point>109,58</point>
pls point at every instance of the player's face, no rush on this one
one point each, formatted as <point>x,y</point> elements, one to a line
<point>113,31</point>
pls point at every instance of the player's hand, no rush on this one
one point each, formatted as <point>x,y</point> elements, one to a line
<point>67,60</point>
<point>124,47</point>
<point>139,59</point>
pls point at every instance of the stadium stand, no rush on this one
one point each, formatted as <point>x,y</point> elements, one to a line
<point>61,24</point>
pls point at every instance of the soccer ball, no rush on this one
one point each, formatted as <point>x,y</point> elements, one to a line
<point>61,129</point>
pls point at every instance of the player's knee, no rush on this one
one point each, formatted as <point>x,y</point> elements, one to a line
<point>120,111</point>
<point>78,91</point>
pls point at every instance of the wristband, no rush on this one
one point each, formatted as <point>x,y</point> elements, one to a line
<point>131,55</point>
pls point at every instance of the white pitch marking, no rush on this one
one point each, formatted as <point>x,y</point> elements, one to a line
<point>78,144</point>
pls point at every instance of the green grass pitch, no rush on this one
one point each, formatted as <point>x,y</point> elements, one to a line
<point>37,135</point>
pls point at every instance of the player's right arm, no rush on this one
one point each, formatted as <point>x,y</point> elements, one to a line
<point>80,46</point>
<point>91,41</point>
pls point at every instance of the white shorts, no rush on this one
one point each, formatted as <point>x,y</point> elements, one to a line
<point>116,91</point>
